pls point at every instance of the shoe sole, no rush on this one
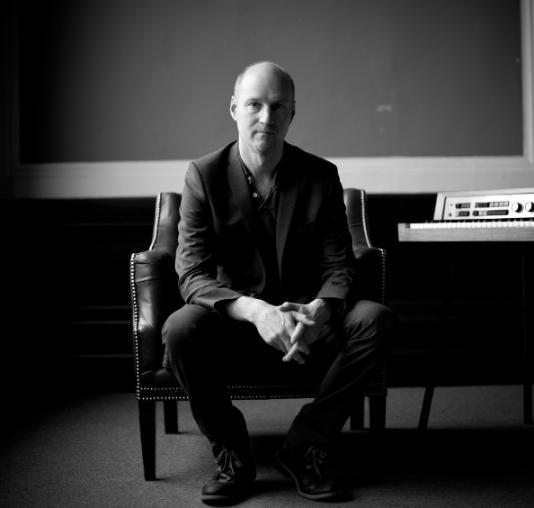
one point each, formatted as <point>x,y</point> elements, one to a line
<point>215,500</point>
<point>286,471</point>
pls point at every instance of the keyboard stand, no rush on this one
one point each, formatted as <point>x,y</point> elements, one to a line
<point>447,285</point>
<point>527,352</point>
<point>492,217</point>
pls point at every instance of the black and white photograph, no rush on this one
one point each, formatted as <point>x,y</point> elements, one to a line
<point>267,254</point>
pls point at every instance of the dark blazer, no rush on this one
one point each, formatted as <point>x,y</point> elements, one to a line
<point>217,256</point>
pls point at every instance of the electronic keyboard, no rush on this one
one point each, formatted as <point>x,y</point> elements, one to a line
<point>504,215</point>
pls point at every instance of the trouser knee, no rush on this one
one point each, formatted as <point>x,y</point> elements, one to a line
<point>188,330</point>
<point>370,319</point>
<point>383,319</point>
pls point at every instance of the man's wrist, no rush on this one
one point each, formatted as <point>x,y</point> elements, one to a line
<point>244,308</point>
<point>320,309</point>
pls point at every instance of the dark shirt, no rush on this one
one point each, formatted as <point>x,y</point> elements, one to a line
<point>267,208</point>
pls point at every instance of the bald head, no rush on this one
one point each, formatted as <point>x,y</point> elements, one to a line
<point>265,71</point>
<point>263,106</point>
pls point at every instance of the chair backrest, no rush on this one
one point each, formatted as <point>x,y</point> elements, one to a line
<point>165,230</point>
<point>167,215</point>
<point>356,207</point>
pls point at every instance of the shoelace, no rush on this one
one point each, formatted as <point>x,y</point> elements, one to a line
<point>227,463</point>
<point>315,459</point>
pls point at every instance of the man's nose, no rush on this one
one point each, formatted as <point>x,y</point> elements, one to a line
<point>266,115</point>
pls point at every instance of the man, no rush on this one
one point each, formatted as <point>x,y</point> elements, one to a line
<point>266,266</point>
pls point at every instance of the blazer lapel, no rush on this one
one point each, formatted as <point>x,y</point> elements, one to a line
<point>287,198</point>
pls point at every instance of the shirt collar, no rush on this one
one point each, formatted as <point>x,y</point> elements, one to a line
<point>277,170</point>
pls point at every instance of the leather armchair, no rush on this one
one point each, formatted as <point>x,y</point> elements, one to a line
<point>154,296</point>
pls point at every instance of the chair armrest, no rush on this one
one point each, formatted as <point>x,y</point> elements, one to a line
<point>154,296</point>
<point>371,272</point>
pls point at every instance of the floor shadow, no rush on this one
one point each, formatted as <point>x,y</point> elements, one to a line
<point>448,455</point>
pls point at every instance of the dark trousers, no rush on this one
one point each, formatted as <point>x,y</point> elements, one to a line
<point>204,349</point>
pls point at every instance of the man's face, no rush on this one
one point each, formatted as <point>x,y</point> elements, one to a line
<point>263,107</point>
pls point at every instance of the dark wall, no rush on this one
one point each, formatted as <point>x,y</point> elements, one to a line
<point>137,80</point>
<point>67,318</point>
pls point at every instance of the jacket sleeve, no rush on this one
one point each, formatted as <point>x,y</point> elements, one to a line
<point>337,262</point>
<point>196,253</point>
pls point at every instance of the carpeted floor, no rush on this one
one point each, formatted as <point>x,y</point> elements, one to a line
<point>476,453</point>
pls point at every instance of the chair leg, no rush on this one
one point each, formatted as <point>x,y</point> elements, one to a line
<point>356,418</point>
<point>147,426</point>
<point>170,415</point>
<point>377,412</point>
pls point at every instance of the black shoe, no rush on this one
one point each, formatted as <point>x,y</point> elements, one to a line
<point>231,484</point>
<point>308,473</point>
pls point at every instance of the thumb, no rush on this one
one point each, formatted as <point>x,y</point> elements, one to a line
<point>287,306</point>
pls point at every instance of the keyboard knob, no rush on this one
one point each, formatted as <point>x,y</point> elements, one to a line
<point>529,207</point>
<point>517,207</point>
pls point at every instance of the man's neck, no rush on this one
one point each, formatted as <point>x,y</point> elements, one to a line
<point>261,165</point>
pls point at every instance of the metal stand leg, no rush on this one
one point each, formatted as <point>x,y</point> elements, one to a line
<point>425,408</point>
<point>437,345</point>
<point>527,377</point>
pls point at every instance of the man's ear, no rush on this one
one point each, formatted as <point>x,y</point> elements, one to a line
<point>293,112</point>
<point>233,105</point>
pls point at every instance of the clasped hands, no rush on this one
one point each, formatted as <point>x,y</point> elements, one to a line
<point>292,327</point>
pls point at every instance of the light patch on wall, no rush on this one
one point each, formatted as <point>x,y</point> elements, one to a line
<point>384,108</point>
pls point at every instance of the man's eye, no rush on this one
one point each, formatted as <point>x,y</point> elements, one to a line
<point>254,105</point>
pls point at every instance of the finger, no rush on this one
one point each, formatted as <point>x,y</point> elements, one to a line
<point>289,355</point>
<point>302,318</point>
<point>303,348</point>
<point>285,342</point>
<point>299,359</point>
<point>296,357</point>
<point>297,334</point>
<point>292,354</point>
<point>279,344</point>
